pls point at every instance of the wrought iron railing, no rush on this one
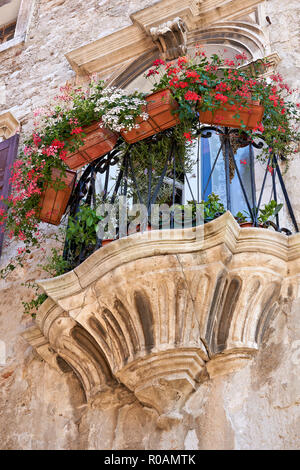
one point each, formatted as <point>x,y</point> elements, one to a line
<point>182,182</point>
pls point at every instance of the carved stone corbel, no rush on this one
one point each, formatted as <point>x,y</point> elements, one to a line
<point>162,312</point>
<point>171,38</point>
<point>9,125</point>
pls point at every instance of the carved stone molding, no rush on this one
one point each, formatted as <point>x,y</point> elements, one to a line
<point>9,125</point>
<point>163,314</point>
<point>171,38</point>
<point>241,36</point>
<point>154,30</point>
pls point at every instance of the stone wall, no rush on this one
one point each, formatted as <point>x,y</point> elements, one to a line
<point>254,408</point>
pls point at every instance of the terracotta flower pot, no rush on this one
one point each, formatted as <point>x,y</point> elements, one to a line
<point>159,107</point>
<point>98,142</point>
<point>249,224</point>
<point>54,202</point>
<point>251,116</point>
<point>107,241</point>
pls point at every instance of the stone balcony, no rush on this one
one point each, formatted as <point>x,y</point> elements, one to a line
<point>163,311</point>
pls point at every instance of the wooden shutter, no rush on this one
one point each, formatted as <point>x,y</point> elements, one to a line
<point>8,152</point>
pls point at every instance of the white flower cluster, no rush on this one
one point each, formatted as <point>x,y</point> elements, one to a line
<point>119,109</point>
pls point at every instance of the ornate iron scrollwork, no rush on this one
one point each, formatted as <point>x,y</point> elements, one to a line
<point>230,141</point>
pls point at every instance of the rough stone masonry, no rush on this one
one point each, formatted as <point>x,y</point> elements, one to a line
<point>256,407</point>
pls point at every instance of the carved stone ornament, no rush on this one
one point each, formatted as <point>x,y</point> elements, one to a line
<point>162,311</point>
<point>171,38</point>
<point>9,125</point>
<point>166,28</point>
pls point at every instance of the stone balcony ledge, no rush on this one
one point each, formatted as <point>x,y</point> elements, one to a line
<point>162,311</point>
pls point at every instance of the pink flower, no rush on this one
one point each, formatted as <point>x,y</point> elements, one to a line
<point>21,236</point>
<point>28,150</point>
<point>37,112</point>
<point>188,136</point>
<point>36,139</point>
<point>76,130</point>
<point>182,60</point>
<point>152,72</point>
<point>221,97</point>
<point>242,56</point>
<point>192,96</point>
<point>158,62</point>
<point>260,128</point>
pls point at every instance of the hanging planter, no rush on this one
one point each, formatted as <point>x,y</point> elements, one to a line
<point>160,107</point>
<point>224,92</point>
<point>98,141</point>
<point>250,116</point>
<point>54,202</point>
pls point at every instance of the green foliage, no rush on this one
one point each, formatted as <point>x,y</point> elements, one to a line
<point>264,214</point>
<point>201,83</point>
<point>82,229</point>
<point>269,211</point>
<point>31,307</point>
<point>213,207</point>
<point>240,217</point>
<point>151,155</point>
<point>56,264</point>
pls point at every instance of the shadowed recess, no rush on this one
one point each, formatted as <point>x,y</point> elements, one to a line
<point>117,333</point>
<point>124,314</point>
<point>68,360</point>
<point>181,294</point>
<point>101,335</point>
<point>214,307</point>
<point>224,323</point>
<point>145,313</point>
<point>63,365</point>
<point>97,327</point>
<point>90,346</point>
<point>4,2</point>
<point>134,70</point>
<point>268,309</point>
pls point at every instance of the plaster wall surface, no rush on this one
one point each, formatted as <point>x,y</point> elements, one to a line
<point>254,408</point>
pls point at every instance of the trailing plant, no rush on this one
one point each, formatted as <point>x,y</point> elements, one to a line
<point>150,157</point>
<point>81,233</point>
<point>55,265</point>
<point>59,130</point>
<point>197,84</point>
<point>31,307</point>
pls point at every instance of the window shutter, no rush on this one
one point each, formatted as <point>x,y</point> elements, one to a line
<point>8,153</point>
